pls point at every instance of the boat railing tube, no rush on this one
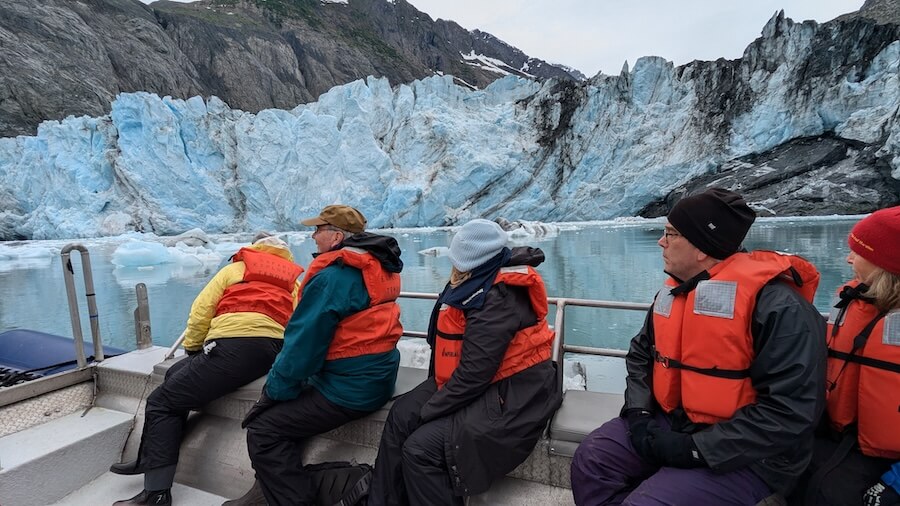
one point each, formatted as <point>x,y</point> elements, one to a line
<point>560,348</point>
<point>69,276</point>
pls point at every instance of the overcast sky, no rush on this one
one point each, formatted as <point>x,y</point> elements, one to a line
<point>595,35</point>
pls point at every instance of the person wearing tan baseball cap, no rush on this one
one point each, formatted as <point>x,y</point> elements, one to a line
<point>339,361</point>
<point>340,216</point>
<point>333,225</point>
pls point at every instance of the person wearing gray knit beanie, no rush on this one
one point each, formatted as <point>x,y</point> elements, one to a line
<point>476,242</point>
<point>492,385</point>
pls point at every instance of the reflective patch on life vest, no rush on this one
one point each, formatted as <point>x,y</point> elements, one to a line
<point>891,334</point>
<point>715,298</point>
<point>835,312</point>
<point>444,307</point>
<point>518,269</point>
<point>663,303</point>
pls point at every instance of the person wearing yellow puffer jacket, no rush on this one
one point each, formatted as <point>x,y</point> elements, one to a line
<point>234,332</point>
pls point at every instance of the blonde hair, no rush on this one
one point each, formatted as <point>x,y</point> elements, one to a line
<point>884,289</point>
<point>457,277</point>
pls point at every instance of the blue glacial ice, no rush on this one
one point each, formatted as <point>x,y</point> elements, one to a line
<point>428,153</point>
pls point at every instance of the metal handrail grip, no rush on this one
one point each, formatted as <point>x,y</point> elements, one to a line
<point>69,277</point>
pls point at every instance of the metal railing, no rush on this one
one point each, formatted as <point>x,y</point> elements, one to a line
<point>69,276</point>
<point>560,348</point>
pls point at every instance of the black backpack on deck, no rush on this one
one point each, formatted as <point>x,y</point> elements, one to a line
<point>340,483</point>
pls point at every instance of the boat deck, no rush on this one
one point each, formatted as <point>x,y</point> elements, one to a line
<point>61,449</point>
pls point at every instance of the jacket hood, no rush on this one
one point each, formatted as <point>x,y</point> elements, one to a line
<point>382,247</point>
<point>526,256</point>
<point>281,251</point>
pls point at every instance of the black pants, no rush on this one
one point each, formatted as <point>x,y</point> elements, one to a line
<point>411,466</point>
<point>193,382</point>
<point>844,484</point>
<point>275,441</point>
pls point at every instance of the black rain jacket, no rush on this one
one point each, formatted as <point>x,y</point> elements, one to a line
<point>494,426</point>
<point>774,435</point>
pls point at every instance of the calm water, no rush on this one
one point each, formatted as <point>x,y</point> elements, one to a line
<point>609,261</point>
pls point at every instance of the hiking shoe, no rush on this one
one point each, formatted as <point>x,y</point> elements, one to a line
<point>148,498</point>
<point>126,468</point>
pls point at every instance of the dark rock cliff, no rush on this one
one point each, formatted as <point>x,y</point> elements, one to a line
<point>60,58</point>
<point>831,172</point>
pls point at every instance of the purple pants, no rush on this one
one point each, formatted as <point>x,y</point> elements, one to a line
<point>607,470</point>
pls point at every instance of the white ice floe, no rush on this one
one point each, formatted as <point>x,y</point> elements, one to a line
<point>140,254</point>
<point>183,251</point>
<point>437,251</point>
<point>528,229</point>
<point>25,256</point>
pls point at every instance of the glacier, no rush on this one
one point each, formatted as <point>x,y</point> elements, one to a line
<point>431,153</point>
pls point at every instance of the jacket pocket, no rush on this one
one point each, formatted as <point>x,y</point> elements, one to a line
<point>493,404</point>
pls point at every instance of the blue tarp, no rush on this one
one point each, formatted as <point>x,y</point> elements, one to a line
<point>45,354</point>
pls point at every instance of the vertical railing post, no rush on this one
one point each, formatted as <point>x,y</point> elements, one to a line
<point>142,318</point>
<point>559,353</point>
<point>93,315</point>
<point>69,277</point>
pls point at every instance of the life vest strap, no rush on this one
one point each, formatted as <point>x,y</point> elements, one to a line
<point>859,342</point>
<point>866,361</point>
<point>848,440</point>
<point>448,336</point>
<point>708,371</point>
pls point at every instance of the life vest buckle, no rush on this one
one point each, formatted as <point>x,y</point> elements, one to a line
<point>662,359</point>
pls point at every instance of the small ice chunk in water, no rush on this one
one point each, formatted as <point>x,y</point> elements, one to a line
<point>437,251</point>
<point>141,253</point>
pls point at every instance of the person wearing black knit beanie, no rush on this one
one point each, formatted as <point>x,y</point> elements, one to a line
<point>715,221</point>
<point>726,378</point>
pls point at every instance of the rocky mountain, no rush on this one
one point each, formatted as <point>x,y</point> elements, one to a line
<point>806,122</point>
<point>842,169</point>
<point>61,57</point>
<point>880,11</point>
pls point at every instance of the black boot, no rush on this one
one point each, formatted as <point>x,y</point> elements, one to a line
<point>127,468</point>
<point>148,498</point>
<point>253,497</point>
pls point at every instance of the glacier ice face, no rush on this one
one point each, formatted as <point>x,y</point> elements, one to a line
<point>431,153</point>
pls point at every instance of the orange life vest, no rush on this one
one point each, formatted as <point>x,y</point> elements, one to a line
<point>864,373</point>
<point>375,329</point>
<point>528,347</point>
<point>267,286</point>
<point>703,344</point>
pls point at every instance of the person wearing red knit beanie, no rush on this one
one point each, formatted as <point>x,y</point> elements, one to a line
<point>863,376</point>
<point>877,239</point>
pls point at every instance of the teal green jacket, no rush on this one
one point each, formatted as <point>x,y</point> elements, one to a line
<point>362,383</point>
